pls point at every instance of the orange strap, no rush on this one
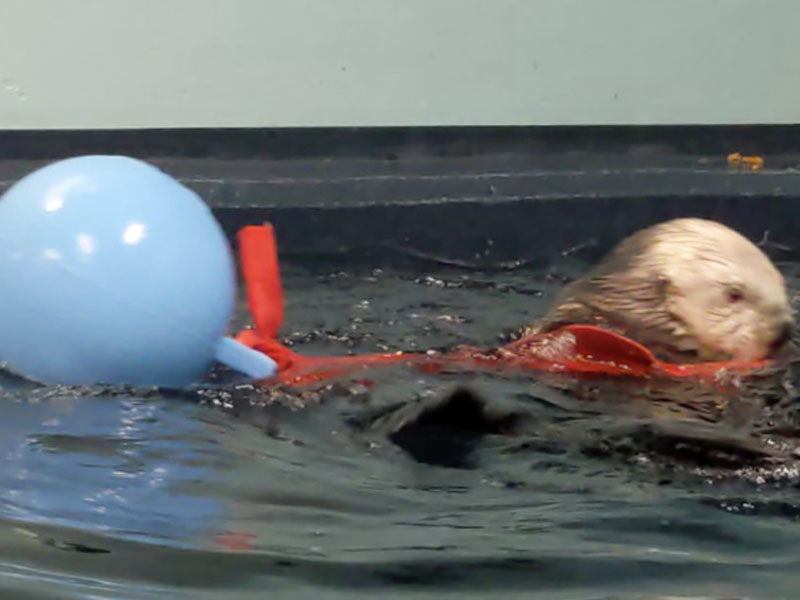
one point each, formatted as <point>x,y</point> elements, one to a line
<point>573,349</point>
<point>258,253</point>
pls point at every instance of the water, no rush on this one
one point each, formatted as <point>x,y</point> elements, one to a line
<point>540,493</point>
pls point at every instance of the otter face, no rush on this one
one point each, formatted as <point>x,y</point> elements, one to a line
<point>731,319</point>
<point>690,289</point>
<point>728,295</point>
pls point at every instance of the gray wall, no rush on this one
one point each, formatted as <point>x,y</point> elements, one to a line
<point>261,63</point>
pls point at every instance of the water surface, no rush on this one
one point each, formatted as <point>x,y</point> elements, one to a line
<point>110,493</point>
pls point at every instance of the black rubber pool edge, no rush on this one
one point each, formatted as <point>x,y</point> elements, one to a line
<point>392,143</point>
<point>476,197</point>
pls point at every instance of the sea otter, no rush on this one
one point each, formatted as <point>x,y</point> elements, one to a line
<point>689,289</point>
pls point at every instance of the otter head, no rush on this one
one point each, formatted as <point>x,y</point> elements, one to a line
<point>688,288</point>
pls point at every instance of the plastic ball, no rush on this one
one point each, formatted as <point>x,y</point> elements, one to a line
<point>114,273</point>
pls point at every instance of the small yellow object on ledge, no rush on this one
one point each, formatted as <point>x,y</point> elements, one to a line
<point>739,161</point>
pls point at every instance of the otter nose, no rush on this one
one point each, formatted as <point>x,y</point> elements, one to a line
<point>784,335</point>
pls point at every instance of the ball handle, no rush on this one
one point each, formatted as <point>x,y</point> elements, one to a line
<point>239,357</point>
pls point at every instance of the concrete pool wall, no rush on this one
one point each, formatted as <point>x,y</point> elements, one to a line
<point>97,64</point>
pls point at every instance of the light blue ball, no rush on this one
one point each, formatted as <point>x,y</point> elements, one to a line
<point>113,272</point>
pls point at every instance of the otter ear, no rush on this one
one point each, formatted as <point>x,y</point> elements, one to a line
<point>664,287</point>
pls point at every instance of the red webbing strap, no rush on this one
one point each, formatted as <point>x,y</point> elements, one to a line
<point>573,349</point>
<point>258,253</point>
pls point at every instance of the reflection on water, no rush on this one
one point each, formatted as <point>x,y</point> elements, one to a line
<point>543,490</point>
<point>96,462</point>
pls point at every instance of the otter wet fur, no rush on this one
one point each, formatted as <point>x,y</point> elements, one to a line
<point>689,289</point>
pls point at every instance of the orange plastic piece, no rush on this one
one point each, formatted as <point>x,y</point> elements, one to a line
<point>259,260</point>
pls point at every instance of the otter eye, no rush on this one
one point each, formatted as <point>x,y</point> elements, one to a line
<point>735,294</point>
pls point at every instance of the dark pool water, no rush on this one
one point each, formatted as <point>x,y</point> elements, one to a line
<point>233,494</point>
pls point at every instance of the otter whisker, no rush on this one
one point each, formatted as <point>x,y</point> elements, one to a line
<point>765,242</point>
